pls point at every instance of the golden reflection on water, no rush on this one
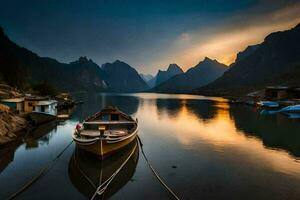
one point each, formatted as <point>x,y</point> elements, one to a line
<point>219,132</point>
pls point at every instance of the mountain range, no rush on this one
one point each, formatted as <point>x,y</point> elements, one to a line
<point>276,61</point>
<point>22,68</point>
<point>146,77</point>
<point>203,73</point>
<point>162,76</point>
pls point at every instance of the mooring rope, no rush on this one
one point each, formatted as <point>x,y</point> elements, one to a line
<point>155,173</point>
<point>101,188</point>
<point>42,172</point>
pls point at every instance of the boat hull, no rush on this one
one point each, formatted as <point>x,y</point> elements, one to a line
<point>103,148</point>
<point>38,118</point>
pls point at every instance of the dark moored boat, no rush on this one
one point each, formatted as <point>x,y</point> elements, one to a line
<point>106,132</point>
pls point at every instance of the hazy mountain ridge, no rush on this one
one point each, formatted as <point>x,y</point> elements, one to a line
<point>201,74</point>
<point>276,58</point>
<point>148,78</point>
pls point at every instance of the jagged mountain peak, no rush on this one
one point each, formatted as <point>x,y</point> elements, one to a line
<point>163,76</point>
<point>204,72</point>
<point>116,64</point>
<point>83,60</point>
<point>118,61</point>
<point>174,68</point>
<point>207,63</point>
<point>209,60</point>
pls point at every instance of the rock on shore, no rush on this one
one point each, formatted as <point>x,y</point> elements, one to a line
<point>10,124</point>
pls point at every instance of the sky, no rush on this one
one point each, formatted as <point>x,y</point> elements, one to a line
<point>148,35</point>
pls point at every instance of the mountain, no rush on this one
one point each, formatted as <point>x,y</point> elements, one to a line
<point>163,76</point>
<point>152,82</point>
<point>244,54</point>
<point>22,68</point>
<point>275,61</point>
<point>203,73</point>
<point>121,77</point>
<point>148,79</point>
<point>87,73</point>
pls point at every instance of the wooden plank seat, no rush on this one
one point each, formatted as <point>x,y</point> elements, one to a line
<point>90,133</point>
<point>115,133</point>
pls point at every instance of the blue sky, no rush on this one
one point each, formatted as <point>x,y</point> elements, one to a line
<point>146,34</point>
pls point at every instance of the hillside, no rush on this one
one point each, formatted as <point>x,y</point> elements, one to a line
<point>275,61</point>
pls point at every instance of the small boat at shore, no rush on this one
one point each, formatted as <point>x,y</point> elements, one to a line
<point>105,132</point>
<point>268,104</point>
<point>291,109</point>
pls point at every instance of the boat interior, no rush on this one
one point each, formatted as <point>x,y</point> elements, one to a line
<point>112,123</point>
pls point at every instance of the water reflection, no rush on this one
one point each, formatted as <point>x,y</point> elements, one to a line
<point>203,109</point>
<point>276,131</point>
<point>7,153</point>
<point>40,135</point>
<point>222,121</point>
<point>220,151</point>
<point>88,172</point>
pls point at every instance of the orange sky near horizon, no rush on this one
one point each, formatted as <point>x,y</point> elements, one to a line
<point>224,43</point>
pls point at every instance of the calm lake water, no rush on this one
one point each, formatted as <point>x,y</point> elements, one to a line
<point>204,148</point>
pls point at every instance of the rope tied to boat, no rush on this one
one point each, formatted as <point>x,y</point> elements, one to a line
<point>101,188</point>
<point>42,172</point>
<point>162,182</point>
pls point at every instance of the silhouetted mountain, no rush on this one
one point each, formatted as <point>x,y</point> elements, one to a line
<point>163,76</point>
<point>203,73</point>
<point>87,73</point>
<point>275,61</point>
<point>23,68</point>
<point>121,77</point>
<point>244,54</point>
<point>147,78</point>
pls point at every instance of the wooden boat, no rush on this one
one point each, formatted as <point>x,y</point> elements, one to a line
<point>106,132</point>
<point>87,173</point>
